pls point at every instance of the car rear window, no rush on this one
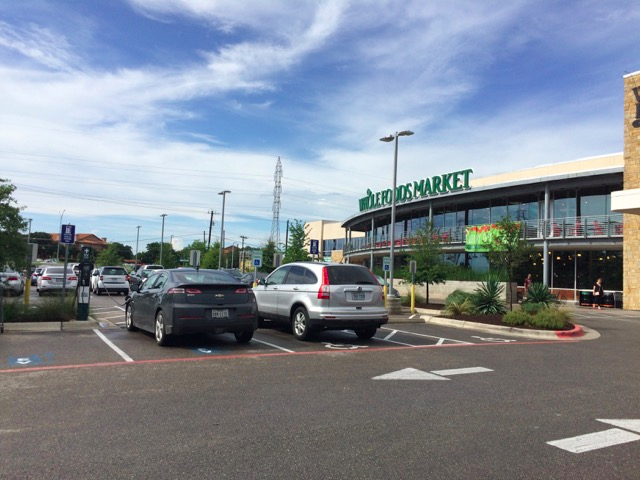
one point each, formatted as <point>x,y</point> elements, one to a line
<point>114,271</point>
<point>205,277</point>
<point>350,275</point>
<point>57,270</point>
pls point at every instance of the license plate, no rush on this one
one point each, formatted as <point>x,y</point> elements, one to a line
<point>358,296</point>
<point>220,313</point>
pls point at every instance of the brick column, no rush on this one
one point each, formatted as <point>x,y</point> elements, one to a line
<point>631,242</point>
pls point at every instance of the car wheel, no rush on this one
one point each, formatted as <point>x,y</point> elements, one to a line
<point>162,338</point>
<point>128,317</point>
<point>300,324</point>
<point>244,337</point>
<point>366,332</point>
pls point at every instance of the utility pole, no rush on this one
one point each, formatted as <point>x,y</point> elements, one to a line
<point>162,236</point>
<point>242,251</point>
<point>211,223</point>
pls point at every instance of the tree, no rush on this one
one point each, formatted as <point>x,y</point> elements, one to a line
<point>508,249</point>
<point>123,251</point>
<point>296,251</point>
<point>268,251</point>
<point>46,246</point>
<point>211,257</point>
<point>110,256</point>
<point>13,245</point>
<point>427,252</point>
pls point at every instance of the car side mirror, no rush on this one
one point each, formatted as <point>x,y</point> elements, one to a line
<point>134,287</point>
<point>262,281</point>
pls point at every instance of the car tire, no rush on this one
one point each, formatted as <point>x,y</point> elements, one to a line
<point>300,324</point>
<point>365,333</point>
<point>244,337</point>
<point>162,339</point>
<point>128,320</point>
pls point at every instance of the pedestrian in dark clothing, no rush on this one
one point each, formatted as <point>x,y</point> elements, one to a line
<point>598,292</point>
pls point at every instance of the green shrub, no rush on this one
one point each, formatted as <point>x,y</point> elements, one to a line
<point>486,299</point>
<point>517,317</point>
<point>51,309</point>
<point>532,308</point>
<point>458,296</point>
<point>550,319</point>
<point>465,307</point>
<point>540,294</point>
<point>14,310</point>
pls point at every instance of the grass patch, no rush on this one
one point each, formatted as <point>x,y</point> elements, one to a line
<point>46,310</point>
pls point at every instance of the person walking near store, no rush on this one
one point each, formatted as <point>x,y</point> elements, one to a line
<point>527,284</point>
<point>598,292</point>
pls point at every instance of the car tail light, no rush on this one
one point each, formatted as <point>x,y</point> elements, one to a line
<point>12,279</point>
<point>188,291</point>
<point>242,290</point>
<point>101,278</point>
<point>323,291</point>
<point>46,278</point>
<point>128,278</point>
<point>72,279</point>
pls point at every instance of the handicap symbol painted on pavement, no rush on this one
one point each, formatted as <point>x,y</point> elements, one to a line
<point>205,351</point>
<point>31,360</point>
<point>343,346</point>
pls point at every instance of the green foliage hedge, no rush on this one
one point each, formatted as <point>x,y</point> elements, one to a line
<point>48,309</point>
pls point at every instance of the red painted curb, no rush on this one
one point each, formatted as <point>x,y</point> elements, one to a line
<point>576,332</point>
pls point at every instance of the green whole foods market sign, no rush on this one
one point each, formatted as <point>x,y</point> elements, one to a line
<point>427,187</point>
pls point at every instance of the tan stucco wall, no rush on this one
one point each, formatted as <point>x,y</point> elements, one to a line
<point>631,241</point>
<point>583,165</point>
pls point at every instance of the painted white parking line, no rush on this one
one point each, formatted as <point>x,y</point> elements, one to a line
<point>594,441</point>
<point>427,336</point>
<point>461,371</point>
<point>390,335</point>
<point>126,357</point>
<point>111,316</point>
<point>272,345</point>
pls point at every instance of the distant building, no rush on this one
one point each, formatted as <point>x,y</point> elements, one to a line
<point>85,239</point>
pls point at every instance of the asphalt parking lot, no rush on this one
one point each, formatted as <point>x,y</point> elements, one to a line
<point>104,340</point>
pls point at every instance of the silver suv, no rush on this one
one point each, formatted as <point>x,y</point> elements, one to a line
<point>316,296</point>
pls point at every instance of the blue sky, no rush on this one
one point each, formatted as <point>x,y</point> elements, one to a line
<point>117,112</point>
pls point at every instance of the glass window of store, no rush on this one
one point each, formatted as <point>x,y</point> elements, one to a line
<point>480,215</point>
<point>498,210</point>
<point>594,202</point>
<point>564,205</point>
<point>599,263</point>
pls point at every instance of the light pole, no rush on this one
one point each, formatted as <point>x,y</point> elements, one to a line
<point>162,236</point>
<point>243,237</point>
<point>224,196</point>
<point>137,239</point>
<point>390,138</point>
<point>59,233</point>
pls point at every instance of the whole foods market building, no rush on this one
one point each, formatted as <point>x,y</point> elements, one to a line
<point>564,209</point>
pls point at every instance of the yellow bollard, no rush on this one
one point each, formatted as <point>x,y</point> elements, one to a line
<point>27,290</point>
<point>384,293</point>
<point>413,299</point>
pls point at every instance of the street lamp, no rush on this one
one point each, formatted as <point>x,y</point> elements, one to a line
<point>224,196</point>
<point>162,236</point>
<point>59,233</point>
<point>29,231</point>
<point>391,138</point>
<point>137,238</point>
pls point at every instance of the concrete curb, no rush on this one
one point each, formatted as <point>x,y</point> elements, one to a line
<point>579,332</point>
<point>71,325</point>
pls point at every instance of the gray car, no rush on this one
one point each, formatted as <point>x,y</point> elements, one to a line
<point>313,296</point>
<point>12,282</point>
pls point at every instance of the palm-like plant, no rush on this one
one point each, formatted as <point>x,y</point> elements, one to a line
<point>486,299</point>
<point>540,295</point>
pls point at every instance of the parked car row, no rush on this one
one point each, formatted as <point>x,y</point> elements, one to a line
<point>308,297</point>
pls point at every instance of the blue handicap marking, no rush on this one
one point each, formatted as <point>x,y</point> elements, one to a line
<point>31,360</point>
<point>206,350</point>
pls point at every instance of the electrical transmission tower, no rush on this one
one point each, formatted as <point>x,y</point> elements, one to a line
<point>277,190</point>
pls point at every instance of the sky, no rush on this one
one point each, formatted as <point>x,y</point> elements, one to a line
<point>115,113</point>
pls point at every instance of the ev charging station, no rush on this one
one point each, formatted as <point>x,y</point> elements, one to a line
<point>84,283</point>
